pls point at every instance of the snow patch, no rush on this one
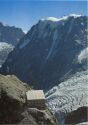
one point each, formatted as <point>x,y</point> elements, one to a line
<point>75,15</point>
<point>60,19</point>
<point>83,55</point>
<point>53,19</point>
<point>4,45</point>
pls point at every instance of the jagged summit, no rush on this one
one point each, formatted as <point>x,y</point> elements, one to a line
<point>49,52</point>
<point>10,34</point>
<point>60,19</point>
<point>9,38</point>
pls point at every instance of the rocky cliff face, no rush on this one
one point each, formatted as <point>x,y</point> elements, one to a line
<point>9,38</point>
<point>10,34</point>
<point>50,51</point>
<point>13,108</point>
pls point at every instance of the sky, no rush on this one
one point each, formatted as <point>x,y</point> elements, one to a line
<point>25,13</point>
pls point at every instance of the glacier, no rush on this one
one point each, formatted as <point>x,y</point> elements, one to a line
<point>5,45</point>
<point>5,49</point>
<point>68,95</point>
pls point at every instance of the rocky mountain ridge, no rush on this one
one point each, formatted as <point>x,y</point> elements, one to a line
<point>9,38</point>
<point>10,34</point>
<point>49,52</point>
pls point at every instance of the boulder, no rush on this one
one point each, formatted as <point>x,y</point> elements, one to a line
<point>13,104</point>
<point>77,116</point>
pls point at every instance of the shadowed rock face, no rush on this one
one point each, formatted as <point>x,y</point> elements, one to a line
<point>9,38</point>
<point>10,34</point>
<point>12,99</point>
<point>13,104</point>
<point>10,110</point>
<point>77,116</point>
<point>49,52</point>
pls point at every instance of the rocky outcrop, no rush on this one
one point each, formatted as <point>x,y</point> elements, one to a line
<point>13,104</point>
<point>12,99</point>
<point>34,116</point>
<point>49,52</point>
<point>77,116</point>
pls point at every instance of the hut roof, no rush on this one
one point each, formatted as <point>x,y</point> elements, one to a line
<point>35,95</point>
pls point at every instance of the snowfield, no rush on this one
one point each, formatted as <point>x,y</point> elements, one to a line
<point>69,95</point>
<point>4,45</point>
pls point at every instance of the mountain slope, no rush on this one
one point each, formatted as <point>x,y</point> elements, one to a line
<point>49,52</point>
<point>9,38</point>
<point>69,95</point>
<point>5,49</point>
<point>10,34</point>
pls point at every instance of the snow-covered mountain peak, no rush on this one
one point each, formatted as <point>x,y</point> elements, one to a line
<point>53,19</point>
<point>75,15</point>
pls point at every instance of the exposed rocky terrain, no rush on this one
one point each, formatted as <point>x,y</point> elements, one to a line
<point>53,56</point>
<point>13,108</point>
<point>49,52</point>
<point>10,34</point>
<point>9,38</point>
<point>77,116</point>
